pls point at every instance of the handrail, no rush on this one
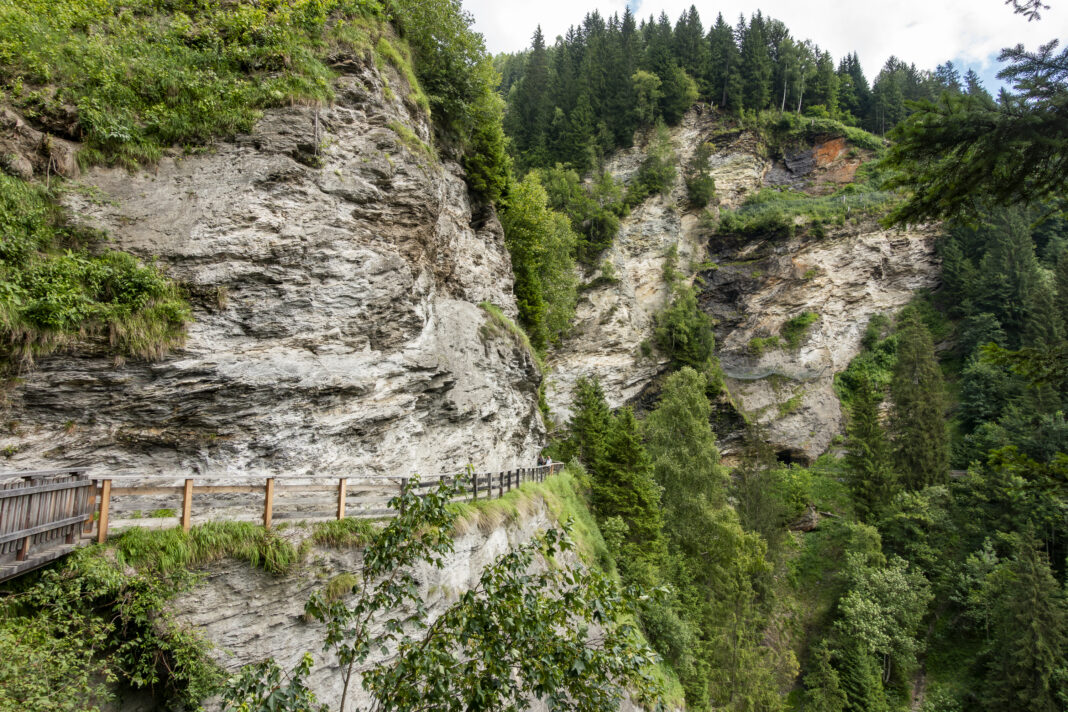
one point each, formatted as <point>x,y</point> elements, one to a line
<point>355,493</point>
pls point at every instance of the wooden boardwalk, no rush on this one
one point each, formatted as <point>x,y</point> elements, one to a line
<point>46,514</point>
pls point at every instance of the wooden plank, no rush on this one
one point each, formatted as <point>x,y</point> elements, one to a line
<point>341,493</point>
<point>105,504</point>
<point>127,491</point>
<point>41,528</point>
<point>268,502</point>
<point>90,507</point>
<point>187,506</point>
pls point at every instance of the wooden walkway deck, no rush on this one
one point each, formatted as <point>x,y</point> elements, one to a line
<point>48,513</point>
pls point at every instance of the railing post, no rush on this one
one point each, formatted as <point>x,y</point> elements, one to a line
<point>474,485</point>
<point>105,505</point>
<point>187,505</point>
<point>90,507</point>
<point>268,502</point>
<point>403,488</point>
<point>342,487</point>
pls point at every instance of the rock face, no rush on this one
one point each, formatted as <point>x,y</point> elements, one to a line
<point>249,615</point>
<point>336,267</point>
<point>844,279</point>
<point>752,288</point>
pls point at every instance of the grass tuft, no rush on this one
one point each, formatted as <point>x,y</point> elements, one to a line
<point>343,533</point>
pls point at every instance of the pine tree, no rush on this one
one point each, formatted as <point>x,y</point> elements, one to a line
<point>861,680</point>
<point>684,454</point>
<point>872,479</point>
<point>917,415</point>
<point>1044,322</point>
<point>623,486</point>
<point>530,104</point>
<point>724,79</point>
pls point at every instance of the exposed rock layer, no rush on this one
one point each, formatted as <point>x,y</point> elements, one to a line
<point>753,287</point>
<point>336,267</point>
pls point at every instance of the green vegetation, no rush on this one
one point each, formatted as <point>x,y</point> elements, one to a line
<point>342,533</point>
<point>57,287</point>
<point>683,331</point>
<point>140,77</point>
<point>794,329</point>
<point>498,324</point>
<point>779,213</point>
<point>517,625</point>
<point>541,244</point>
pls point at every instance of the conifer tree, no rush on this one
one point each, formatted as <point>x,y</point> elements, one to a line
<point>823,691</point>
<point>623,486</point>
<point>917,415</point>
<point>872,479</point>
<point>756,66</point>
<point>684,454</point>
<point>1029,632</point>
<point>589,424</point>
<point>724,78</point>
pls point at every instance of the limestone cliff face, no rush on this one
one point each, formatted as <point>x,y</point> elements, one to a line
<point>336,267</point>
<point>248,615</point>
<point>750,287</point>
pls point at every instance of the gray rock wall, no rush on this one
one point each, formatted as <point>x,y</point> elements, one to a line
<point>336,266</point>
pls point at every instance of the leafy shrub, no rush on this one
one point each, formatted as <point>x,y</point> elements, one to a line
<point>53,290</point>
<point>684,332</point>
<point>795,328</point>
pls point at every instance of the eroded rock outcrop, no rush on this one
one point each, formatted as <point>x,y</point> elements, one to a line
<point>336,267</point>
<point>751,287</point>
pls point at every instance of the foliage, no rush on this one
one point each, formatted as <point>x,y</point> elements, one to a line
<point>265,687</point>
<point>142,75</point>
<point>683,331</point>
<point>872,479</point>
<point>171,551</point>
<point>54,291</point>
<point>517,627</point>
<point>773,213</point>
<point>541,243</point>
<point>594,209</point>
<point>700,186</point>
<point>917,415</point>
<point>74,630</point>
<point>794,329</point>
<point>342,533</point>
<point>656,174</point>
<point>960,147</point>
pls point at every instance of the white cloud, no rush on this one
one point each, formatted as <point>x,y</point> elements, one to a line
<point>927,32</point>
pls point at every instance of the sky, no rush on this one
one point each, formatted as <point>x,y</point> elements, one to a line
<point>924,32</point>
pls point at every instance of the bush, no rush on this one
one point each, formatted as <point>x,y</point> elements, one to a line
<point>54,291</point>
<point>684,332</point>
<point>795,328</point>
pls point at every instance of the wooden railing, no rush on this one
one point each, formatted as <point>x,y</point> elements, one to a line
<point>347,496</point>
<point>44,515</point>
<point>41,513</point>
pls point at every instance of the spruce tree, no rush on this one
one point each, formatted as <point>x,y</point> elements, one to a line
<point>684,454</point>
<point>756,66</point>
<point>872,479</point>
<point>1029,633</point>
<point>823,691</point>
<point>724,79</point>
<point>623,486</point>
<point>589,424</point>
<point>917,415</point>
